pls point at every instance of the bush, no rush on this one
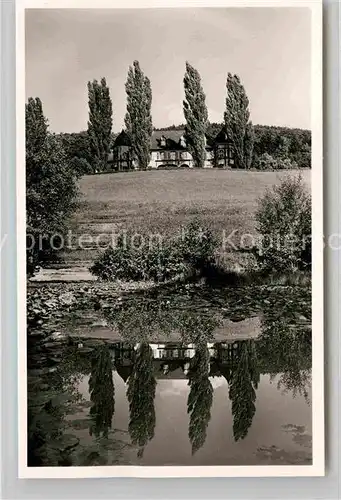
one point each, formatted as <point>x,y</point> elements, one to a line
<point>268,162</point>
<point>284,223</point>
<point>197,245</point>
<point>186,255</point>
<point>128,263</point>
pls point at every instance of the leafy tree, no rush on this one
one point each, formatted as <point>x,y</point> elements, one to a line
<point>141,394</point>
<point>36,126</point>
<point>244,382</point>
<point>200,397</point>
<point>284,147</point>
<point>100,123</point>
<point>248,145</point>
<point>238,126</point>
<point>195,112</point>
<point>294,142</point>
<point>77,149</point>
<point>138,119</point>
<point>102,392</point>
<point>283,219</point>
<point>51,188</point>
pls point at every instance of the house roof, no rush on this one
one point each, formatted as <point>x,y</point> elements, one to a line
<point>222,136</point>
<point>172,139</point>
<point>122,139</point>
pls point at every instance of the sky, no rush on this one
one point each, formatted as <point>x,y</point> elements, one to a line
<point>269,48</point>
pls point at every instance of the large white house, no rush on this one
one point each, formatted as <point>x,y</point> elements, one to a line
<point>169,151</point>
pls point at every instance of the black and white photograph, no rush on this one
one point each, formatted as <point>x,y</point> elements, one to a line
<point>172,272</point>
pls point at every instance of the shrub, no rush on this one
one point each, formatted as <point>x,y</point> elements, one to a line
<point>268,162</point>
<point>284,223</point>
<point>197,245</point>
<point>186,255</point>
<point>132,264</point>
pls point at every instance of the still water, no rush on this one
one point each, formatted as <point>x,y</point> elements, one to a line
<point>213,381</point>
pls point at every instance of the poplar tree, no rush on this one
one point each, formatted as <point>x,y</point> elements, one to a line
<point>36,126</point>
<point>100,123</point>
<point>196,115</point>
<point>141,393</point>
<point>242,391</point>
<point>200,397</point>
<point>102,392</point>
<point>237,121</point>
<point>138,119</point>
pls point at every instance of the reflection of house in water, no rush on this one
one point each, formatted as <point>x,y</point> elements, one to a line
<point>172,360</point>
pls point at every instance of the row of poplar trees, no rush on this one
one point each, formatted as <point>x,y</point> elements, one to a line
<point>138,119</point>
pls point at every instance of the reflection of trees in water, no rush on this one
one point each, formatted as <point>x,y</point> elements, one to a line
<point>197,327</point>
<point>49,398</point>
<point>45,424</point>
<point>102,391</point>
<point>140,319</point>
<point>200,397</point>
<point>296,382</point>
<point>285,350</point>
<point>141,394</point>
<point>243,386</point>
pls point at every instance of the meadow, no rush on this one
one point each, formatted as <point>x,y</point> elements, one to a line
<point>160,202</point>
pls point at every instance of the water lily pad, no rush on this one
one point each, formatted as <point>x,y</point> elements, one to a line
<point>65,443</point>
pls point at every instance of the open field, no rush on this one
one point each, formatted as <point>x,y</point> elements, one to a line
<point>160,202</point>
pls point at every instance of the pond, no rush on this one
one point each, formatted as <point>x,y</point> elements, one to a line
<point>199,377</point>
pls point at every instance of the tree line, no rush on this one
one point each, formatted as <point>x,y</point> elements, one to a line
<point>54,162</point>
<point>138,119</point>
<point>258,146</point>
<point>88,151</point>
<point>274,141</point>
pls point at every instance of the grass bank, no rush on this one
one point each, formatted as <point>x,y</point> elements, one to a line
<point>160,202</point>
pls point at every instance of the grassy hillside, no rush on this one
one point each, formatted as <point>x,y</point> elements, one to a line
<point>161,201</point>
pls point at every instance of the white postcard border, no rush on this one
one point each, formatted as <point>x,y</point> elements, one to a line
<point>318,466</point>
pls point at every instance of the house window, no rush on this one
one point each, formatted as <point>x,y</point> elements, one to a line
<point>172,155</point>
<point>163,155</point>
<point>221,153</point>
<point>183,155</point>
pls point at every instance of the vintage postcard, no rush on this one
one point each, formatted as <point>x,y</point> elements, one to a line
<point>170,238</point>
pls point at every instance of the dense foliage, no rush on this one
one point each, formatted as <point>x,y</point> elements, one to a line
<point>126,262</point>
<point>196,115</point>
<point>102,392</point>
<point>78,150</point>
<point>141,393</point>
<point>283,142</point>
<point>284,222</point>
<point>138,119</point>
<point>51,188</point>
<point>237,122</point>
<point>100,123</point>
<point>188,254</point>
<point>200,397</point>
<point>243,386</point>
<point>270,144</point>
